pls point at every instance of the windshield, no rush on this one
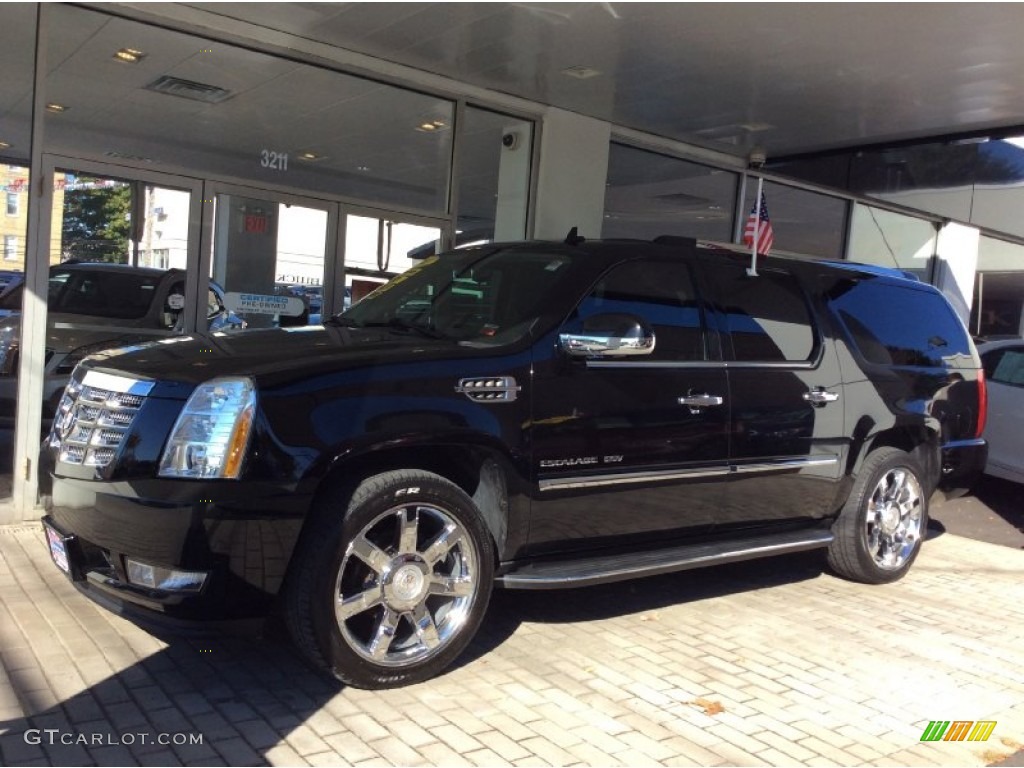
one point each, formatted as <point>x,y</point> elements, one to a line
<point>481,295</point>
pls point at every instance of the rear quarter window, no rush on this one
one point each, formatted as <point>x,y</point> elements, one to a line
<point>901,325</point>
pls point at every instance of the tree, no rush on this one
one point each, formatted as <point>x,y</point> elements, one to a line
<point>97,221</point>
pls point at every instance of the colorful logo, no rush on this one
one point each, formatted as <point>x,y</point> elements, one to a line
<point>958,730</point>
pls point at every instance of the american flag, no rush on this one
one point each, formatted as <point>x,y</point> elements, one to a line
<point>759,221</point>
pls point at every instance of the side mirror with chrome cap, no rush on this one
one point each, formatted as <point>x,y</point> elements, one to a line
<point>608,335</point>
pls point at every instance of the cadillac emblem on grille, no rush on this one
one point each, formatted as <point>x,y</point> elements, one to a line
<point>94,417</point>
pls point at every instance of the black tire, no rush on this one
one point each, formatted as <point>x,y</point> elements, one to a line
<point>390,583</point>
<point>879,531</point>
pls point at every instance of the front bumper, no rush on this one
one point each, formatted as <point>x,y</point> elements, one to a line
<point>240,536</point>
<point>962,464</point>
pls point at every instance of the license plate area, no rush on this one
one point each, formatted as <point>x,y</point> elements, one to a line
<point>63,550</point>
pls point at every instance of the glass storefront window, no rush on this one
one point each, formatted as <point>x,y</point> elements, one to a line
<point>269,258</point>
<point>998,289</point>
<point>999,186</point>
<point>217,110</point>
<point>494,177</point>
<point>929,177</point>
<point>14,225</point>
<point>649,194</point>
<point>377,249</point>
<point>891,239</point>
<point>804,222</point>
<point>975,181</point>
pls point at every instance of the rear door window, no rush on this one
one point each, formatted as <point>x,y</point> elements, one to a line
<point>767,316</point>
<point>900,325</point>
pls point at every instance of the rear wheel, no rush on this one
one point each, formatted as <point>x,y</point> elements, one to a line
<point>392,592</point>
<point>878,533</point>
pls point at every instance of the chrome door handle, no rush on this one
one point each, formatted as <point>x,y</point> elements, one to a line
<point>700,401</point>
<point>820,396</point>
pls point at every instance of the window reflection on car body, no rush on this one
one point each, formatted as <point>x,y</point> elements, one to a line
<point>344,321</point>
<point>399,324</point>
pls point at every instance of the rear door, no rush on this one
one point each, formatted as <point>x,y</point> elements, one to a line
<point>619,457</point>
<point>787,433</point>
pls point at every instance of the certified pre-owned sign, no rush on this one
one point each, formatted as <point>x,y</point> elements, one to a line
<point>263,304</point>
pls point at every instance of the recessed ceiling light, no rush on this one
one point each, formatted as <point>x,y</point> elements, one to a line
<point>311,157</point>
<point>363,168</point>
<point>429,126</point>
<point>129,55</point>
<point>4,145</point>
<point>581,73</point>
<point>55,107</point>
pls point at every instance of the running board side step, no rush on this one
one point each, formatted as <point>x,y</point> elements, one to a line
<point>584,572</point>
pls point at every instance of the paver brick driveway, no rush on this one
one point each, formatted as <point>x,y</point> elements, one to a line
<point>771,662</point>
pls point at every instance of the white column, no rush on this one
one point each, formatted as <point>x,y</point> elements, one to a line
<point>513,183</point>
<point>958,262</point>
<point>572,175</point>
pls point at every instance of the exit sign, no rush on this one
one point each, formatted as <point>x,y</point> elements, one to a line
<point>257,223</point>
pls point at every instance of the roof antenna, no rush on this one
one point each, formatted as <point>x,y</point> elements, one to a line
<point>574,237</point>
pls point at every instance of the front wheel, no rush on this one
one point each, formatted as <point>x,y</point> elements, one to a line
<point>879,531</point>
<point>391,592</point>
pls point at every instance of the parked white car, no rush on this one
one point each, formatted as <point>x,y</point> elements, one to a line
<point>1004,371</point>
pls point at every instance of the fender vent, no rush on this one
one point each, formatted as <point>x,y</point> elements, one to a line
<point>489,389</point>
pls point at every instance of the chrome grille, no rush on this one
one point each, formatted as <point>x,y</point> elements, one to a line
<point>94,417</point>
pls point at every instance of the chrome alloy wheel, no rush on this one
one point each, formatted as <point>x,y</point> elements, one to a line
<point>893,521</point>
<point>406,584</point>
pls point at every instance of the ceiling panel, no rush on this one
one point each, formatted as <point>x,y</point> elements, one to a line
<point>791,77</point>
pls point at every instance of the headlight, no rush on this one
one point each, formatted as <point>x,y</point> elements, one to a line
<point>211,433</point>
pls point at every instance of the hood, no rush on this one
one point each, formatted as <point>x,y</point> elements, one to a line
<point>276,356</point>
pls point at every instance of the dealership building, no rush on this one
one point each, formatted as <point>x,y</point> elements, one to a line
<point>317,149</point>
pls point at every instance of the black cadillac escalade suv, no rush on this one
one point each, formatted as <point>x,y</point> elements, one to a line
<point>531,416</point>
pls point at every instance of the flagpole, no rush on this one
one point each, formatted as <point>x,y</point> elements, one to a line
<point>752,269</point>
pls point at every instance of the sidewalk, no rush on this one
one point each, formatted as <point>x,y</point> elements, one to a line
<point>772,662</point>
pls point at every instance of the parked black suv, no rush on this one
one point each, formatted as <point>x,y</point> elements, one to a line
<point>530,416</point>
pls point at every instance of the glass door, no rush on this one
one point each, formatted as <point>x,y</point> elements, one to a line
<point>380,246</point>
<point>272,257</point>
<point>110,270</point>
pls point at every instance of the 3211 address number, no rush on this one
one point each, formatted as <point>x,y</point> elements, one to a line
<point>275,161</point>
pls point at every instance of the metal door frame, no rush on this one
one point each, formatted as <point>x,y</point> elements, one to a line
<point>212,188</point>
<point>337,217</point>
